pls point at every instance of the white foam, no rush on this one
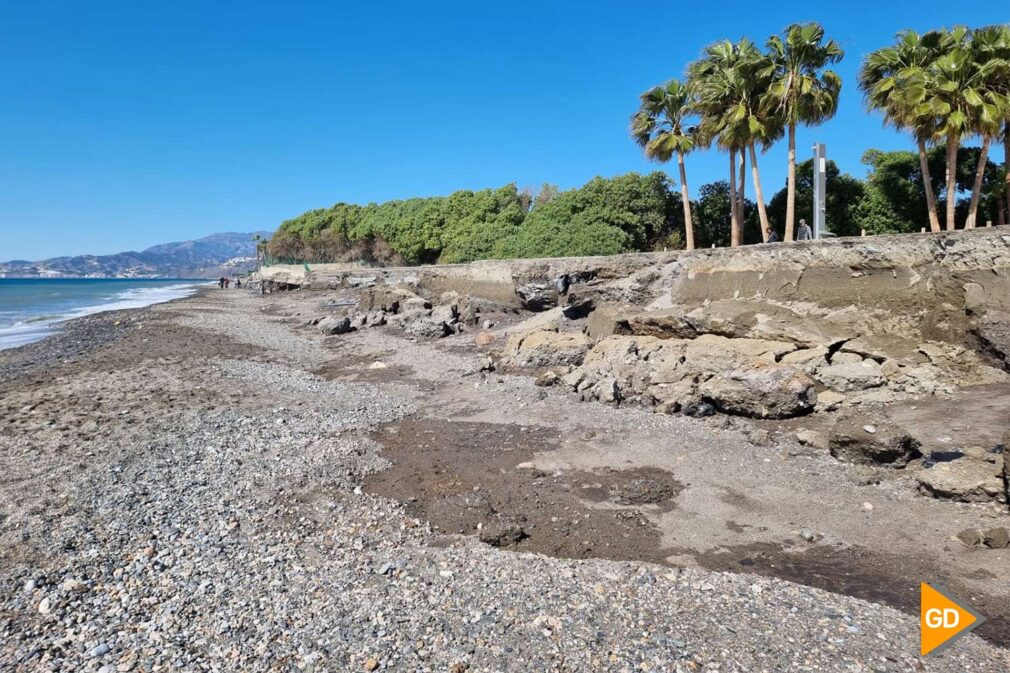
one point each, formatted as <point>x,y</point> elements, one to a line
<point>25,332</point>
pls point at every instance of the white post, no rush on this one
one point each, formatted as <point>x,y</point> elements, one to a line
<point>820,189</point>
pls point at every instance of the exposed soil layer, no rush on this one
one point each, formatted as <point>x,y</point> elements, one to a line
<point>469,478</point>
<point>473,478</point>
<point>857,571</point>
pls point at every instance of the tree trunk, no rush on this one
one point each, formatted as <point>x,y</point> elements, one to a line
<point>733,231</point>
<point>927,184</point>
<point>952,144</point>
<point>740,214</point>
<point>976,189</point>
<point>791,185</point>
<point>1006,165</point>
<point>762,213</point>
<point>685,197</point>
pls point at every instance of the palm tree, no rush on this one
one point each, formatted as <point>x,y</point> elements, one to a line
<point>662,127</point>
<point>728,80</point>
<point>892,80</point>
<point>802,90</point>
<point>953,90</point>
<point>989,97</point>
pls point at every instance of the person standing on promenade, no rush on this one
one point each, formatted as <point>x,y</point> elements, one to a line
<point>804,233</point>
<point>773,236</point>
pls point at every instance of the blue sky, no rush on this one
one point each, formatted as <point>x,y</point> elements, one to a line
<point>133,123</point>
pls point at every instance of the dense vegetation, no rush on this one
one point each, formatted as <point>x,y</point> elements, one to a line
<point>627,213</point>
<point>943,87</point>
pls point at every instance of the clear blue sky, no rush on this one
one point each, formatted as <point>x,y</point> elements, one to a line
<point>125,124</point>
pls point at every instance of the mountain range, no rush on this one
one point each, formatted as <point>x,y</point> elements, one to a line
<point>207,257</point>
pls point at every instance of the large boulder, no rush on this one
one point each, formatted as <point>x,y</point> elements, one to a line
<point>764,390</point>
<point>711,353</point>
<point>993,334</point>
<point>856,438</point>
<point>544,348</point>
<point>537,296</point>
<point>963,480</point>
<point>845,377</point>
<point>335,325</point>
<point>427,327</point>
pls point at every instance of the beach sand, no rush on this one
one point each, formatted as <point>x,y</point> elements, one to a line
<point>208,484</point>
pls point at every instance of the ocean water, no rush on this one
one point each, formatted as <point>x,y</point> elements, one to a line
<point>33,308</point>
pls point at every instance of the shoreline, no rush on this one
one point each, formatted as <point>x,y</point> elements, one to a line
<point>37,327</point>
<point>76,338</point>
<point>210,475</point>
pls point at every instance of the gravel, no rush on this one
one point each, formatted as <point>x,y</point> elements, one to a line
<point>227,531</point>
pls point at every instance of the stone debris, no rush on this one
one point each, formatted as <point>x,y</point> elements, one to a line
<point>883,443</point>
<point>993,538</point>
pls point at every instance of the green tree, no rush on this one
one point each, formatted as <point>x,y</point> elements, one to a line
<point>664,127</point>
<point>989,98</point>
<point>718,77</point>
<point>802,90</point>
<point>845,195</point>
<point>892,81</point>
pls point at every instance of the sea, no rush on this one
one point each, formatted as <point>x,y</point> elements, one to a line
<point>33,308</point>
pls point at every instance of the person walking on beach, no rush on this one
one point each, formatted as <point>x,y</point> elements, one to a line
<point>804,233</point>
<point>227,282</point>
<point>220,282</point>
<point>773,236</point>
<point>238,283</point>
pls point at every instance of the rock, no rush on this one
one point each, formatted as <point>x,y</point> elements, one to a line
<point>868,506</point>
<point>75,585</point>
<point>851,376</point>
<point>980,453</point>
<point>545,349</point>
<point>993,334</point>
<point>813,438</point>
<point>377,365</point>
<point>488,324</point>
<point>810,536</point>
<point>887,444</point>
<point>99,650</point>
<point>427,327</point>
<point>759,437</point>
<point>483,338</point>
<point>45,605</point>
<point>846,358</point>
<point>573,378</point>
<point>970,537</point>
<point>448,314</point>
<point>503,536</point>
<point>961,480</point>
<point>371,664</point>
<point>335,325</point>
<point>537,296</point>
<point>711,353</point>
<point>761,391</point>
<point>829,400</point>
<point>606,390</point>
<point>547,379</point>
<point>996,538</point>
<point>698,409</point>
<point>806,356</point>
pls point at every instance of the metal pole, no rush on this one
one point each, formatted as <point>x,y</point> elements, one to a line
<point>820,189</point>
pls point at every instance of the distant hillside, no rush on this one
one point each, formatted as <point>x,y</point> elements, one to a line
<point>208,257</point>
